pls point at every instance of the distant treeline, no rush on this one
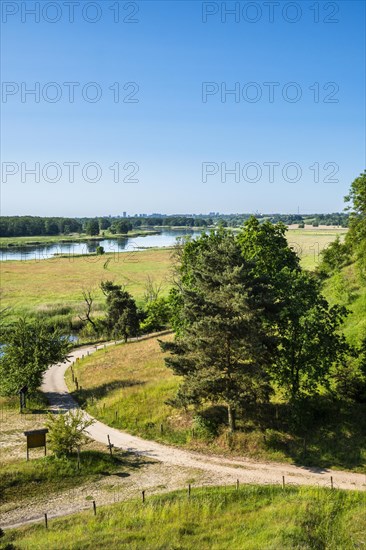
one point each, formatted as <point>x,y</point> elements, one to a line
<point>23,226</point>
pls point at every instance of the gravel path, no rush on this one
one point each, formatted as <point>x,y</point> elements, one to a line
<point>229,470</point>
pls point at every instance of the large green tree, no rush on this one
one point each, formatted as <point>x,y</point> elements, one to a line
<point>309,339</point>
<point>309,343</point>
<point>122,314</point>
<point>222,349</point>
<point>245,313</point>
<point>92,227</point>
<point>28,349</point>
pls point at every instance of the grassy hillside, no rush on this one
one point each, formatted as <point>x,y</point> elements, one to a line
<point>346,288</point>
<point>128,387</point>
<point>253,517</point>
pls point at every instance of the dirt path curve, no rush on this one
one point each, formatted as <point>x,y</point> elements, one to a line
<point>245,470</point>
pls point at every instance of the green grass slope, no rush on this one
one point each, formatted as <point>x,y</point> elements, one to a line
<point>345,288</point>
<point>253,517</point>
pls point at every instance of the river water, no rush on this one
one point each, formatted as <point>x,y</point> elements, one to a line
<point>166,238</point>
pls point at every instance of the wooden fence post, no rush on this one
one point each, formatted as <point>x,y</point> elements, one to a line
<point>110,445</point>
<point>283,482</point>
<point>237,484</point>
<point>94,508</point>
<point>46,521</point>
<point>143,496</point>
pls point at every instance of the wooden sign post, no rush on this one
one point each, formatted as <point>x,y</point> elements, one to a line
<point>36,438</point>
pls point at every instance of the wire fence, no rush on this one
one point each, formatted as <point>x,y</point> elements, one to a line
<point>81,499</point>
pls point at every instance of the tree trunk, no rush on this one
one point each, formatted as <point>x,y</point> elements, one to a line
<point>231,418</point>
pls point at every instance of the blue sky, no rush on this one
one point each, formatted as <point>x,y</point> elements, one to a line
<point>171,146</point>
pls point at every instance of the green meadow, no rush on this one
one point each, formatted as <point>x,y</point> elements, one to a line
<point>250,518</point>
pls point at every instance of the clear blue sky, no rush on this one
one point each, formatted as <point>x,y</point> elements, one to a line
<point>170,132</point>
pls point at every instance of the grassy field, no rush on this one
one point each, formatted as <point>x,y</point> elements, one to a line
<point>251,518</point>
<point>127,387</point>
<point>310,242</point>
<point>53,287</point>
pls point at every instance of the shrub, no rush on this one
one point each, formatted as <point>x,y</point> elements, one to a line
<point>67,431</point>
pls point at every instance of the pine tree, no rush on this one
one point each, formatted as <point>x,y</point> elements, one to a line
<point>222,349</point>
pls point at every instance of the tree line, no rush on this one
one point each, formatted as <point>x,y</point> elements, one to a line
<point>23,226</point>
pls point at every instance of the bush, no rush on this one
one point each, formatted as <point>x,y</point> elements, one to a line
<point>67,431</point>
<point>157,315</point>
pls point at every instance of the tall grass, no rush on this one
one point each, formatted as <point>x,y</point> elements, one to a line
<point>253,517</point>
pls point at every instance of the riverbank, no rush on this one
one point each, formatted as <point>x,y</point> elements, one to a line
<point>21,242</point>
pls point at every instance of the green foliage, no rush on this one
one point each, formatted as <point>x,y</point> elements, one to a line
<point>356,236</point>
<point>15,226</point>
<point>100,250</point>
<point>122,318</point>
<point>334,257</point>
<point>104,223</point>
<point>266,246</point>
<point>67,431</point>
<point>350,378</point>
<point>157,314</point>
<point>92,227</point>
<point>121,227</point>
<point>246,313</point>
<point>206,423</point>
<point>223,350</point>
<point>309,341</point>
<point>342,288</point>
<point>29,348</point>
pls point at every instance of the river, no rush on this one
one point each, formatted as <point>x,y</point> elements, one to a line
<point>166,238</point>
